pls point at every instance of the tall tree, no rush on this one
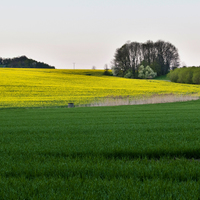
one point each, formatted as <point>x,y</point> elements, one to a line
<point>1,61</point>
<point>135,55</point>
<point>122,60</point>
<point>160,56</point>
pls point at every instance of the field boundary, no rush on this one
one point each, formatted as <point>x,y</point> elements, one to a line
<point>154,99</point>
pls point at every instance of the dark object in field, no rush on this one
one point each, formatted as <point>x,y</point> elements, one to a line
<point>70,105</point>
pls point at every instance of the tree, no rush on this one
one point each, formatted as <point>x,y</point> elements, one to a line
<point>115,70</point>
<point>160,56</point>
<point>121,61</point>
<point>167,56</point>
<point>189,75</point>
<point>146,72</point>
<point>149,52</point>
<point>106,70</point>
<point>1,61</point>
<point>129,74</point>
<point>23,62</point>
<point>196,77</point>
<point>135,56</point>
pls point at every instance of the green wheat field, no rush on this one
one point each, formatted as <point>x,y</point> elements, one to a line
<point>120,152</point>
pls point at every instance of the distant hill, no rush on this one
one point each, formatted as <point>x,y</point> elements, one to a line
<point>22,62</point>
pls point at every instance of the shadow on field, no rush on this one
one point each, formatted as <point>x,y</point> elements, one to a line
<point>188,154</point>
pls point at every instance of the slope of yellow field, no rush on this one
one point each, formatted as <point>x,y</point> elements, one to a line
<point>55,87</point>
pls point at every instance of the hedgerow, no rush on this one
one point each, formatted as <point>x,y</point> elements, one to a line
<point>189,75</point>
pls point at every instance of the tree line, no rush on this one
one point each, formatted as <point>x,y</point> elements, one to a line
<point>22,62</point>
<point>190,75</point>
<point>160,56</point>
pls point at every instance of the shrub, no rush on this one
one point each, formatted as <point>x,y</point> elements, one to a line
<point>173,75</point>
<point>129,74</point>
<point>146,72</point>
<point>106,71</point>
<point>182,75</point>
<point>115,71</point>
<point>187,75</point>
<point>196,77</point>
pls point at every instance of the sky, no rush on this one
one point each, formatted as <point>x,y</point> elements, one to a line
<point>86,33</point>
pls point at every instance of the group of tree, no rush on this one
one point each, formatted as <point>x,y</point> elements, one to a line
<point>160,56</point>
<point>22,62</point>
<point>190,75</point>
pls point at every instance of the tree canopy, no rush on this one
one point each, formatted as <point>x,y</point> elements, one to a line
<point>22,62</point>
<point>189,75</point>
<point>159,56</point>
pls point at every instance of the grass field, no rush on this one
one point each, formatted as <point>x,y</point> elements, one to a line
<point>122,152</point>
<point>163,77</point>
<point>51,87</point>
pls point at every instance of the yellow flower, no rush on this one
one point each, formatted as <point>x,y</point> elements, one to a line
<point>55,87</point>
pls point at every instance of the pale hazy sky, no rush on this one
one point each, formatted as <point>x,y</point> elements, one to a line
<point>87,32</point>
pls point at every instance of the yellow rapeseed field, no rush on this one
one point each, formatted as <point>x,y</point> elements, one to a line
<point>55,87</point>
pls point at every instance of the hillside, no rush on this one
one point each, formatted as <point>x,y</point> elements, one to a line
<point>22,62</point>
<point>53,87</point>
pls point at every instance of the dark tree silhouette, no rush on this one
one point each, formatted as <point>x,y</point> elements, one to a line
<point>160,56</point>
<point>23,62</point>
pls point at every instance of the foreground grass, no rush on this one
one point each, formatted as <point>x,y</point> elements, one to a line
<point>124,152</point>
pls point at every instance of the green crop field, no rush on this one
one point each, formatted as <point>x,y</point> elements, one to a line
<point>122,152</point>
